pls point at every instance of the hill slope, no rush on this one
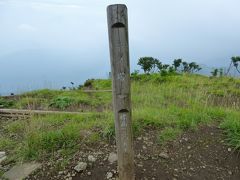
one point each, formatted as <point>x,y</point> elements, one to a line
<point>165,109</point>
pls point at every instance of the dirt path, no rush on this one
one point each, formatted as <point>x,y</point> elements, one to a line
<point>199,155</point>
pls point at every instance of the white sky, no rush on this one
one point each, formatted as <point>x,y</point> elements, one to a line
<point>59,41</point>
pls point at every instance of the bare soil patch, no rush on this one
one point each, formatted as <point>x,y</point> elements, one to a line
<point>196,155</point>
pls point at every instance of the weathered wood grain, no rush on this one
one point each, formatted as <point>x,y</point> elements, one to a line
<point>119,53</point>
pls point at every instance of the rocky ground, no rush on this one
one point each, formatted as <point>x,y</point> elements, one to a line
<point>196,155</point>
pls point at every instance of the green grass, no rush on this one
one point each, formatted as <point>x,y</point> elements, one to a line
<point>68,100</point>
<point>5,103</point>
<point>168,134</point>
<point>169,104</point>
<point>231,125</point>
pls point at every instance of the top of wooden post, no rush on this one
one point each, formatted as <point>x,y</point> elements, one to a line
<point>117,15</point>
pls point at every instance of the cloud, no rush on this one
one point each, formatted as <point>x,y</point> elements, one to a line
<point>2,3</point>
<point>40,5</point>
<point>26,27</point>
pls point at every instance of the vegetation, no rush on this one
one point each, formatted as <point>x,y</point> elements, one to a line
<point>171,104</point>
<point>235,60</point>
<point>150,64</point>
<point>5,103</point>
<point>71,100</point>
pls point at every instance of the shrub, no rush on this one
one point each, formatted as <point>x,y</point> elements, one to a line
<point>88,83</point>
<point>61,102</point>
<point>4,103</point>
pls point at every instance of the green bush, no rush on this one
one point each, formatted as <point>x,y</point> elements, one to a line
<point>88,83</point>
<point>4,103</point>
<point>62,102</point>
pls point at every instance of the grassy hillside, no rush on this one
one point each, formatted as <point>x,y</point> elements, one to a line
<point>169,104</point>
<point>71,100</point>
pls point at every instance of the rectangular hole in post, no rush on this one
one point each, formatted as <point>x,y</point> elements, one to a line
<point>123,117</point>
<point>118,25</point>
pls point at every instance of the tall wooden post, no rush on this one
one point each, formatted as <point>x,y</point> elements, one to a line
<point>119,52</point>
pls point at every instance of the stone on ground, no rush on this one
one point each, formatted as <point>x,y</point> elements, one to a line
<point>80,167</point>
<point>91,158</point>
<point>112,157</point>
<point>21,171</point>
<point>164,155</point>
<point>2,156</point>
<point>109,175</point>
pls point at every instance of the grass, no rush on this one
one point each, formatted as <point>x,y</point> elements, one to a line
<point>170,104</point>
<point>168,134</point>
<point>231,125</point>
<point>68,100</point>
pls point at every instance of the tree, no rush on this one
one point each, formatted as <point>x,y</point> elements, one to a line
<point>190,67</point>
<point>214,72</point>
<point>185,66</point>
<point>159,66</point>
<point>235,61</point>
<point>148,64</point>
<point>221,72</point>
<point>194,67</point>
<point>177,63</point>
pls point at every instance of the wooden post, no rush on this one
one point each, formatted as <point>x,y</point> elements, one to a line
<point>119,52</point>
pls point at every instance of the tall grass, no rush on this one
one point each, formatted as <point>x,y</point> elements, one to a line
<point>169,104</point>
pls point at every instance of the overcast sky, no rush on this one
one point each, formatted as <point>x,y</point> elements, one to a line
<point>49,43</point>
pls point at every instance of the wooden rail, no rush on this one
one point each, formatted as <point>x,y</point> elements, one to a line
<point>7,112</point>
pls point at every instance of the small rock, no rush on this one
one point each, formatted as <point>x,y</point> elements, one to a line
<point>73,174</point>
<point>109,175</point>
<point>164,155</point>
<point>80,167</point>
<point>229,149</point>
<point>189,147</point>
<point>114,171</point>
<point>21,171</point>
<point>2,159</point>
<point>89,173</point>
<point>112,157</point>
<point>91,158</point>
<point>60,172</point>
<point>230,172</point>
<point>145,138</point>
<point>2,154</point>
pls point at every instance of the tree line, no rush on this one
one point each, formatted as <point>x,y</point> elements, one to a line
<point>234,63</point>
<point>152,65</point>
